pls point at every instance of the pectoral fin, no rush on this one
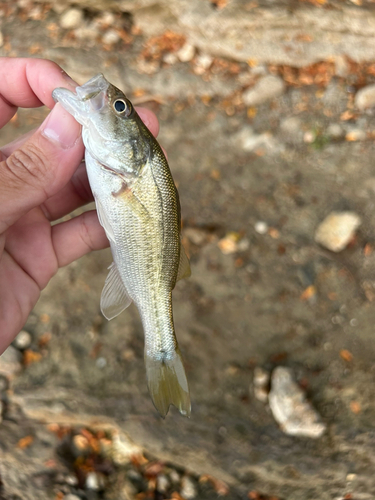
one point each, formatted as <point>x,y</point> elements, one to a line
<point>114,297</point>
<point>184,270</point>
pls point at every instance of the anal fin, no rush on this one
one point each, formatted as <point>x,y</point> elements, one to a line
<point>115,298</point>
<point>184,270</point>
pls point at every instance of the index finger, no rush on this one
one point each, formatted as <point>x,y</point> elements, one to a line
<point>29,83</point>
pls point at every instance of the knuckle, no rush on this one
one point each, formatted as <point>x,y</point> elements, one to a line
<point>85,232</point>
<point>29,165</point>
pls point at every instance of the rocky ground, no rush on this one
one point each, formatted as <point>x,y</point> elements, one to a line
<point>273,155</point>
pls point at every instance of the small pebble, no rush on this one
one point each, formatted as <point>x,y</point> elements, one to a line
<point>170,58</point>
<point>1,411</point>
<point>188,488</point>
<point>195,235</point>
<point>356,134</point>
<point>101,362</point>
<point>111,37</point>
<point>289,407</point>
<point>23,340</point>
<point>204,61</point>
<point>335,131</point>
<point>162,483</point>
<point>365,97</point>
<point>106,19</point>
<point>291,129</point>
<point>261,227</point>
<point>260,381</point>
<point>186,52</point>
<point>175,476</point>
<point>71,497</point>
<point>337,230</point>
<point>71,19</point>
<point>92,481</point>
<point>268,87</point>
<point>10,362</point>
<point>1,39</point>
<point>309,137</point>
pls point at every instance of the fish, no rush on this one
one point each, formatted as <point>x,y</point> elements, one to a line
<point>138,206</point>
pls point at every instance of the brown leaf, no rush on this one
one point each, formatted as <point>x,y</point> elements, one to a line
<point>25,442</point>
<point>355,407</point>
<point>30,357</point>
<point>346,355</point>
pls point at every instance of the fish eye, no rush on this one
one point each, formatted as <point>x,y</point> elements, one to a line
<point>119,105</point>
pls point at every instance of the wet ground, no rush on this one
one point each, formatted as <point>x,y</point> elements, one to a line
<point>259,295</point>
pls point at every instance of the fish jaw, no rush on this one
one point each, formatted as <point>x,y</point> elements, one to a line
<point>89,98</point>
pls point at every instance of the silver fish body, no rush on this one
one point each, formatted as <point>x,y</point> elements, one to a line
<point>138,206</point>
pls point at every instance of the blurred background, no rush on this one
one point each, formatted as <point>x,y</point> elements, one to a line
<point>266,112</point>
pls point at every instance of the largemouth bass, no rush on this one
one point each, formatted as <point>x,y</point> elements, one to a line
<point>138,206</point>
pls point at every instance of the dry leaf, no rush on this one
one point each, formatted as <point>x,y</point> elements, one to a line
<point>355,407</point>
<point>309,292</point>
<point>30,356</point>
<point>25,442</point>
<point>346,355</point>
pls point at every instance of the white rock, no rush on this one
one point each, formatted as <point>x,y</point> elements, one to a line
<point>260,381</point>
<point>111,37</point>
<point>261,227</point>
<point>188,488</point>
<point>289,407</point>
<point>335,131</point>
<point>107,19</point>
<point>162,483</point>
<point>71,19</point>
<point>170,58</point>
<point>186,52</point>
<point>248,140</point>
<point>23,340</point>
<point>356,134</point>
<point>365,97</point>
<point>86,33</point>
<point>1,39</point>
<point>265,89</point>
<point>195,235</point>
<point>71,497</point>
<point>337,229</point>
<point>10,362</point>
<point>291,129</point>
<point>204,61</point>
<point>309,136</point>
<point>93,481</point>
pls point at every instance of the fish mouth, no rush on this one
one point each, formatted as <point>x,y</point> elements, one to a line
<point>89,97</point>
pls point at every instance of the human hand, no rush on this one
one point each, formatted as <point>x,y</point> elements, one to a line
<point>41,179</point>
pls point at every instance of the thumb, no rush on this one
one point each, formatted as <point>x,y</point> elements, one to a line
<point>40,167</point>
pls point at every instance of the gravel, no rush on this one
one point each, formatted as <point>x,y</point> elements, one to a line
<point>289,407</point>
<point>268,87</point>
<point>337,230</point>
<point>71,19</point>
<point>365,97</point>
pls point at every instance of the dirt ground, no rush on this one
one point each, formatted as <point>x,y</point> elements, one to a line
<point>259,296</point>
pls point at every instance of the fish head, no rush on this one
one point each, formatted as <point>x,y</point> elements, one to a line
<point>111,129</point>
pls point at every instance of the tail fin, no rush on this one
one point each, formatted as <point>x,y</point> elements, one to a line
<point>167,383</point>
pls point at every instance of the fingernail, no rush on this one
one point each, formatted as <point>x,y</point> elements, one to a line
<point>61,128</point>
<point>69,80</point>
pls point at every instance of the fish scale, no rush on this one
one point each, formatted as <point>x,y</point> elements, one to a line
<point>138,207</point>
